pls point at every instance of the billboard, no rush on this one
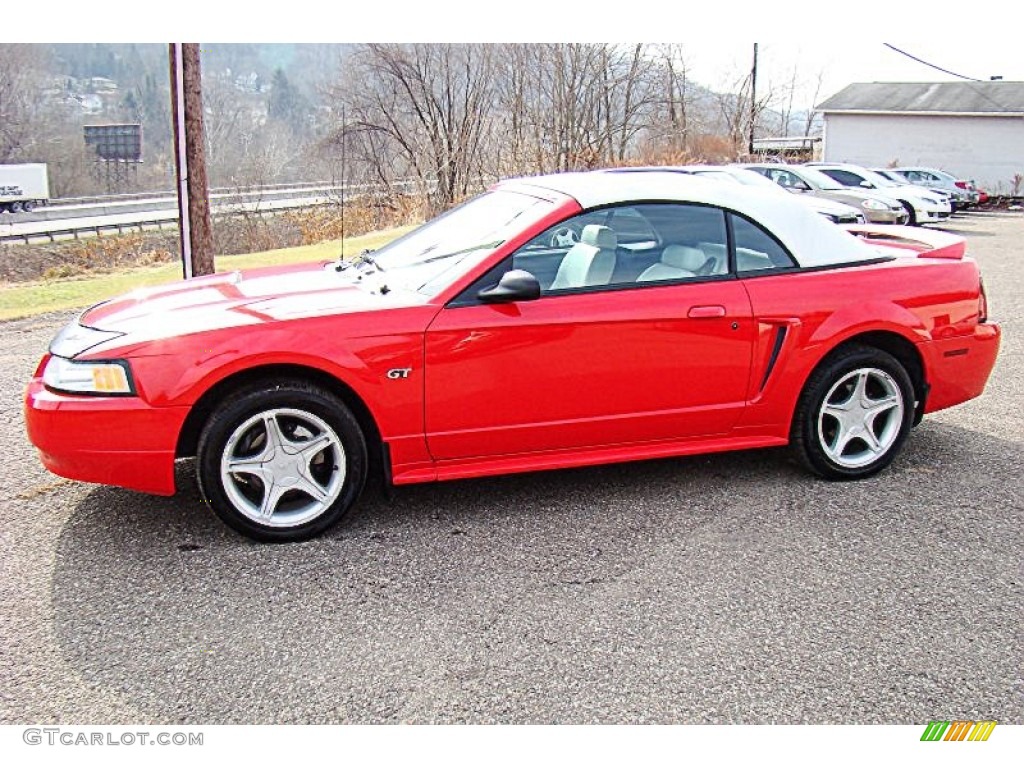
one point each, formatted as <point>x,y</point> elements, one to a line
<point>116,141</point>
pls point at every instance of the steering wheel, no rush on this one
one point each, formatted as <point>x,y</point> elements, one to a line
<point>564,237</point>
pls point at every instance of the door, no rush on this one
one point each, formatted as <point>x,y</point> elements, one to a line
<point>654,351</point>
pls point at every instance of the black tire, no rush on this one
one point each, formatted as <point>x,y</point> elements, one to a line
<point>911,213</point>
<point>309,489</point>
<point>15,207</point>
<point>28,206</point>
<point>819,439</point>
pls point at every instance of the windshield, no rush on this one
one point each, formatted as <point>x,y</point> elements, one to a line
<point>878,179</point>
<point>753,179</point>
<point>424,259</point>
<point>819,179</point>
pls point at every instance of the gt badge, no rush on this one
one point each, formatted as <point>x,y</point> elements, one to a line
<point>399,373</point>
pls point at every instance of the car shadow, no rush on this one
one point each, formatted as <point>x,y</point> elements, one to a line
<point>954,230</point>
<point>422,607</point>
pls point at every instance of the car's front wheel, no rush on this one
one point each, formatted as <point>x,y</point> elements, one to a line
<point>283,461</point>
<point>854,414</point>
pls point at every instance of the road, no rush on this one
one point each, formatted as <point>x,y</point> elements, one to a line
<point>722,589</point>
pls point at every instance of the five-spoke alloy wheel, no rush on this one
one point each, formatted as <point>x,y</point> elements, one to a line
<point>281,462</point>
<point>853,414</point>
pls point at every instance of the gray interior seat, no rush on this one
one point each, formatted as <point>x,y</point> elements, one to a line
<point>677,261</point>
<point>718,252</point>
<point>591,261</point>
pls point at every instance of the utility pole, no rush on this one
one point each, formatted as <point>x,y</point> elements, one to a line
<point>753,101</point>
<point>190,161</point>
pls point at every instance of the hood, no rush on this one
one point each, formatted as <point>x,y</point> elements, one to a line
<point>242,298</point>
<point>922,192</point>
<point>854,197</point>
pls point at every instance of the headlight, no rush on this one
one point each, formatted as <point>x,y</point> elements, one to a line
<point>74,339</point>
<point>89,378</point>
<point>875,205</point>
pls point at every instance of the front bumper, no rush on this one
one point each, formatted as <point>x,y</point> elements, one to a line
<point>886,217</point>
<point>933,215</point>
<point>120,441</point>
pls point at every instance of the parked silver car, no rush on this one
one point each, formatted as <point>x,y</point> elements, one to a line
<point>922,205</point>
<point>876,207</point>
<point>965,193</point>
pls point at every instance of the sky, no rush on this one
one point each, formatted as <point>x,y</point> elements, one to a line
<point>843,42</point>
<point>859,60</point>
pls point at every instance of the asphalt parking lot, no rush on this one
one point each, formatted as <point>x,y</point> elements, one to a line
<point>725,589</point>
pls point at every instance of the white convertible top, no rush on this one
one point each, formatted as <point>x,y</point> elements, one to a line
<point>813,240</point>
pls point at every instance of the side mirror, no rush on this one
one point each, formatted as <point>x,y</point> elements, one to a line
<point>867,184</point>
<point>515,285</point>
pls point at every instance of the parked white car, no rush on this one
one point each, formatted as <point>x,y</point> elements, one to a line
<point>837,213</point>
<point>922,205</point>
<point>965,193</point>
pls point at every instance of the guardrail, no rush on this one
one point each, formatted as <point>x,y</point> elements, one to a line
<point>162,193</point>
<point>93,220</point>
<point>95,226</point>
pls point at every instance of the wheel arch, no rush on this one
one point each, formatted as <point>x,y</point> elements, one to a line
<point>898,346</point>
<point>201,410</point>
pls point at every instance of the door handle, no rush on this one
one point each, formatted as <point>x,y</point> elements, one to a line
<point>710,310</point>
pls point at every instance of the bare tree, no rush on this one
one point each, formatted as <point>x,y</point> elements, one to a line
<point>572,106</point>
<point>809,117</point>
<point>21,82</point>
<point>229,124</point>
<point>421,110</point>
<point>676,99</point>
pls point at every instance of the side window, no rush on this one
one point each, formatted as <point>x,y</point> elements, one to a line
<point>631,228</point>
<point>621,247</point>
<point>756,250</point>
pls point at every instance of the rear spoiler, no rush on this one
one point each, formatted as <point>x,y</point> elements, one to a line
<point>928,243</point>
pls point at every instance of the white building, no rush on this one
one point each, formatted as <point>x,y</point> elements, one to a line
<point>973,130</point>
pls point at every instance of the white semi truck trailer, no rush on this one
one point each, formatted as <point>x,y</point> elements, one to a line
<point>23,187</point>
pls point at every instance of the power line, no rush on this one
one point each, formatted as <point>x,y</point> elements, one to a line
<point>933,66</point>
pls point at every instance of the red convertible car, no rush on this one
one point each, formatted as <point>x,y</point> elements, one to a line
<point>551,322</point>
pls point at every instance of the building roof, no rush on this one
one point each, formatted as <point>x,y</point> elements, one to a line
<point>996,97</point>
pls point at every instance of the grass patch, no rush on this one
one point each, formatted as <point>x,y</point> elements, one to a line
<point>35,298</point>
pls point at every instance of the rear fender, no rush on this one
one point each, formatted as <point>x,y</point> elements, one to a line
<point>868,317</point>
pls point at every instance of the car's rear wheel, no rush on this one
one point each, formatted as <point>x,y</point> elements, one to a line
<point>283,461</point>
<point>854,414</point>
